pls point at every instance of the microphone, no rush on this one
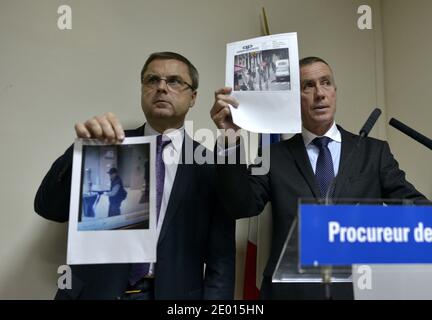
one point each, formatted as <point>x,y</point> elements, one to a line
<point>370,122</point>
<point>364,131</point>
<point>411,133</point>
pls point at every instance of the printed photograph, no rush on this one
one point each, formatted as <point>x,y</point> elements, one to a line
<point>114,187</point>
<point>266,70</point>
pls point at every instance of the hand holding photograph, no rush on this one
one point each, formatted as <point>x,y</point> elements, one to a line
<point>264,75</point>
<point>112,213</point>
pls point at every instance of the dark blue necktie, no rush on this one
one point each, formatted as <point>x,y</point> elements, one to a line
<point>139,270</point>
<point>160,172</point>
<point>324,172</point>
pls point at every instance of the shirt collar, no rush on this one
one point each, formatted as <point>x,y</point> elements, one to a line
<point>333,133</point>
<point>175,135</point>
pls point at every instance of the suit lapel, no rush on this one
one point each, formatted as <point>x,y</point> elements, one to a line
<point>182,182</point>
<point>298,150</point>
<point>346,161</point>
<point>138,132</point>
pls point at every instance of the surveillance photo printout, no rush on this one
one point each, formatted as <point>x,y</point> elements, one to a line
<point>112,213</point>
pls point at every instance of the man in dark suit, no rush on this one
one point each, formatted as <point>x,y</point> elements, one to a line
<point>196,240</point>
<point>304,167</point>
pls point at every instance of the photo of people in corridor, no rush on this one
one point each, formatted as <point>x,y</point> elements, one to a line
<point>114,187</point>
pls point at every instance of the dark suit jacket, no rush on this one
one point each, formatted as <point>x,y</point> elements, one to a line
<point>370,172</point>
<point>195,232</point>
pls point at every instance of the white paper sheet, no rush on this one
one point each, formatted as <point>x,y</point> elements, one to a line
<point>264,75</point>
<point>98,234</point>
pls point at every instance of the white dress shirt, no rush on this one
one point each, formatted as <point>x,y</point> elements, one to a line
<point>334,146</point>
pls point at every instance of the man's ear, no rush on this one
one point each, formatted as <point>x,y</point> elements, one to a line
<point>194,96</point>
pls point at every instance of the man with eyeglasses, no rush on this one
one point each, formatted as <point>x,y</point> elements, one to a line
<point>320,162</point>
<point>196,240</point>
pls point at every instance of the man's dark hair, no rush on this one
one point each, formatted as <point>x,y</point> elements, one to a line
<point>193,72</point>
<point>310,60</point>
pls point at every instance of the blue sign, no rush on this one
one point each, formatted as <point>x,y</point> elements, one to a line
<point>357,234</point>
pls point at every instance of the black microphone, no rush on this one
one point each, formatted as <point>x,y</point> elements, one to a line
<point>364,131</point>
<point>370,122</point>
<point>411,133</point>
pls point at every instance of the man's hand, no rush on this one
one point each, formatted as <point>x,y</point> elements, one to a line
<point>105,128</point>
<point>220,112</point>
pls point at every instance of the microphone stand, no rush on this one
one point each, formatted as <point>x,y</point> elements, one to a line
<point>326,271</point>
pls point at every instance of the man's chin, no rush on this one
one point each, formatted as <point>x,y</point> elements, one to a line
<point>323,119</point>
<point>162,113</point>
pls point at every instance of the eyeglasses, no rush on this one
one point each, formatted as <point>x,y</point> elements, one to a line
<point>174,83</point>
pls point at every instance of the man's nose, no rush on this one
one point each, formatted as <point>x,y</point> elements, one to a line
<point>319,92</point>
<point>162,85</point>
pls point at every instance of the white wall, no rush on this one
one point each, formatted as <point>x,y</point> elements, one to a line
<point>407,54</point>
<point>50,79</point>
